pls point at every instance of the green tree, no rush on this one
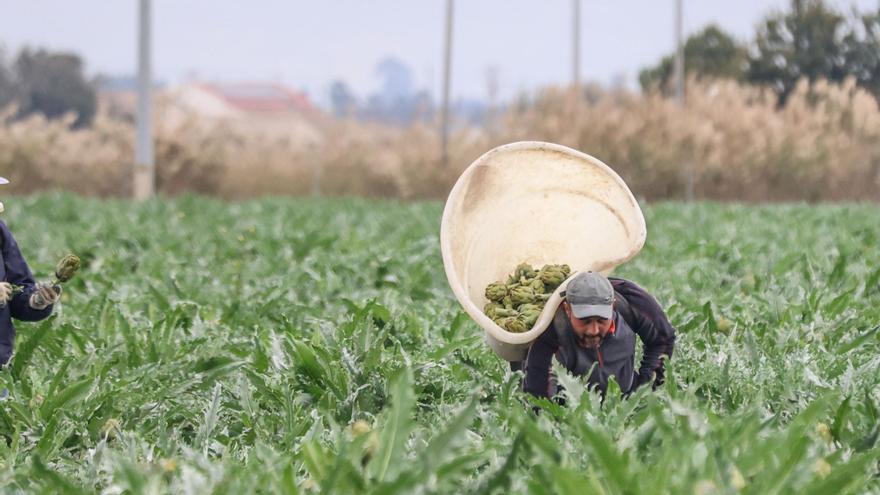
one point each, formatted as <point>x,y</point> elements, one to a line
<point>807,41</point>
<point>861,48</point>
<point>342,99</point>
<point>711,52</point>
<point>8,89</point>
<point>54,84</point>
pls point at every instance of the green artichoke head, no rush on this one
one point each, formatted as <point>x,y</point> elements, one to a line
<point>530,313</point>
<point>537,285</point>
<point>67,267</point>
<point>553,275</point>
<point>504,312</point>
<point>491,308</point>
<point>522,295</point>
<point>496,291</point>
<point>513,324</point>
<point>524,270</point>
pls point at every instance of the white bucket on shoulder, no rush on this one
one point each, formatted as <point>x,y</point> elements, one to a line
<point>537,203</point>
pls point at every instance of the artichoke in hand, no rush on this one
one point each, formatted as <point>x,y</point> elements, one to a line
<point>66,269</point>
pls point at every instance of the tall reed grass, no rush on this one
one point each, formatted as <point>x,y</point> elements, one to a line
<point>731,140</point>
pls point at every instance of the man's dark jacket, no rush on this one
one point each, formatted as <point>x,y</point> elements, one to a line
<point>635,313</point>
<point>15,270</point>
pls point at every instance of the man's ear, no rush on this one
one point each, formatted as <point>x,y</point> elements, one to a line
<point>567,308</point>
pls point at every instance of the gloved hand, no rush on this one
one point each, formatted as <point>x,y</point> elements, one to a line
<point>5,293</point>
<point>44,295</point>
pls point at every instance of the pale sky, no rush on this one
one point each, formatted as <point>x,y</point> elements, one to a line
<point>308,44</point>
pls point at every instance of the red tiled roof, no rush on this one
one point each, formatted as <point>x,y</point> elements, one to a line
<point>258,97</point>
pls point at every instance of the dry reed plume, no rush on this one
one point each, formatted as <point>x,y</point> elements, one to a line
<point>823,145</point>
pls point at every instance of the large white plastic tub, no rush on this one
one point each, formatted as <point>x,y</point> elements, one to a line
<point>538,203</point>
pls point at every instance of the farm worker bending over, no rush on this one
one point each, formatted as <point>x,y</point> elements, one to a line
<point>20,297</point>
<point>597,324</point>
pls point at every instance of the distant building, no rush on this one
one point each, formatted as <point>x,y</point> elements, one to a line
<point>261,108</point>
<point>264,108</point>
<point>224,100</point>
<point>241,100</point>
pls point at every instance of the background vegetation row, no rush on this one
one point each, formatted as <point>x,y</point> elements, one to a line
<point>823,144</point>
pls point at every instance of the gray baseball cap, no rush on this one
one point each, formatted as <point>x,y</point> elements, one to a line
<point>590,294</point>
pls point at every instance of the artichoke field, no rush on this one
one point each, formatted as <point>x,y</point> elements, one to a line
<point>313,346</point>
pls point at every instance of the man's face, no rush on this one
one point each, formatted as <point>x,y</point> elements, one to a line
<point>590,331</point>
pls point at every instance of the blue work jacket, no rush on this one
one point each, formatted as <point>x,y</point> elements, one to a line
<point>14,269</point>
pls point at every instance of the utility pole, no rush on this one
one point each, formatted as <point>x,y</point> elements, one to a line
<point>679,89</point>
<point>447,69</point>
<point>492,93</point>
<point>679,54</point>
<point>576,43</point>
<point>144,166</point>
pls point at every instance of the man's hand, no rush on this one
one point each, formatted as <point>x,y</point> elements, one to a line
<point>5,293</point>
<point>44,295</point>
